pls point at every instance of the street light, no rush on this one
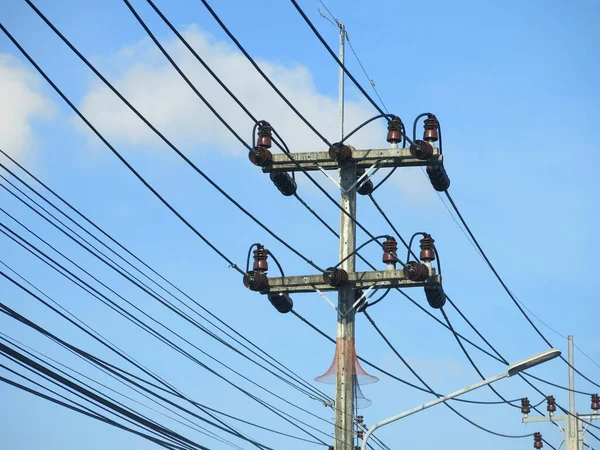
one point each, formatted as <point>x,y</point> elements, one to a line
<point>513,369</point>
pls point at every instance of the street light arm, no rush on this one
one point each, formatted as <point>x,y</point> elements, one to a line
<point>430,404</point>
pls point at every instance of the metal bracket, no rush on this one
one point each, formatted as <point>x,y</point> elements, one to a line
<point>357,280</point>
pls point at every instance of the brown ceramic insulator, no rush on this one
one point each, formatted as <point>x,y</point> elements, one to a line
<point>395,127</point>
<point>360,434</point>
<point>335,276</point>
<point>264,135</point>
<point>421,149</point>
<point>595,402</point>
<point>431,129</point>
<point>415,271</point>
<point>256,281</point>
<point>260,259</point>
<point>390,248</point>
<point>427,251</point>
<point>340,152</point>
<point>525,405</point>
<point>551,404</point>
<point>537,440</point>
<point>360,419</point>
<point>261,157</point>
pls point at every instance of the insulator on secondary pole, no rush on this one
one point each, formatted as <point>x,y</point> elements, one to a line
<point>365,187</point>
<point>281,301</point>
<point>334,276</point>
<point>359,434</point>
<point>595,403</point>
<point>551,408</point>
<point>284,183</point>
<point>395,128</point>
<point>360,420</point>
<point>256,279</point>
<point>525,406</point>
<point>390,255</point>
<point>340,152</point>
<point>431,126</point>
<point>438,177</point>
<point>537,440</point>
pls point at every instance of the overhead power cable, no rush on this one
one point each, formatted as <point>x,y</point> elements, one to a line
<point>505,287</point>
<point>160,135</point>
<point>279,142</point>
<point>275,363</point>
<point>160,337</point>
<point>127,275</point>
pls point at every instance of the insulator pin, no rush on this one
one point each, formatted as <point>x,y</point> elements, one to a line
<point>260,259</point>
<point>334,276</point>
<point>256,281</point>
<point>340,152</point>
<point>525,406</point>
<point>551,408</point>
<point>264,135</point>
<point>284,183</point>
<point>261,157</point>
<point>395,129</point>
<point>537,440</point>
<point>595,403</point>
<point>438,178</point>
<point>431,126</point>
<point>427,249</point>
<point>421,149</point>
<point>390,249</point>
<point>435,296</point>
<point>281,301</point>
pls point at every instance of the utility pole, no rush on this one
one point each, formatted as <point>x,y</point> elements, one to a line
<point>572,428</point>
<point>354,169</point>
<point>345,377</point>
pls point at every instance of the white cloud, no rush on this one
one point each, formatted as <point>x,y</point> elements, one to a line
<point>147,79</point>
<point>22,103</point>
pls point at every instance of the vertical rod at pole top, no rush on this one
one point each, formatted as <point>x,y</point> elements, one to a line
<point>341,78</point>
<point>573,429</point>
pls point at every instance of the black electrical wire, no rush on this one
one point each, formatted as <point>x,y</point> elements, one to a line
<point>564,388</point>
<point>462,347</point>
<point>140,324</point>
<point>334,56</point>
<point>281,144</point>
<point>510,294</point>
<point>83,411</point>
<point>116,351</point>
<point>361,246</point>
<point>285,369</point>
<point>381,297</point>
<point>145,288</point>
<point>99,399</point>
<point>366,122</point>
<point>159,134</point>
<point>54,365</point>
<point>169,343</point>
<point>432,391</point>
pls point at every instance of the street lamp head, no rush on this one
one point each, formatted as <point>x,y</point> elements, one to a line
<point>532,361</point>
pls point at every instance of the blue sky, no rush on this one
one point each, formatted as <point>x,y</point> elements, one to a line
<point>514,85</point>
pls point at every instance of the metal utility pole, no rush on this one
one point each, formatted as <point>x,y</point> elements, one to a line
<point>572,429</point>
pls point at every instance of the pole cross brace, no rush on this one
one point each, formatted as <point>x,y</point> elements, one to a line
<point>358,280</point>
<point>386,157</point>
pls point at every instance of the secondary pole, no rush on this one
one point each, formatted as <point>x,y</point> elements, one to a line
<point>345,376</point>
<point>572,428</point>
